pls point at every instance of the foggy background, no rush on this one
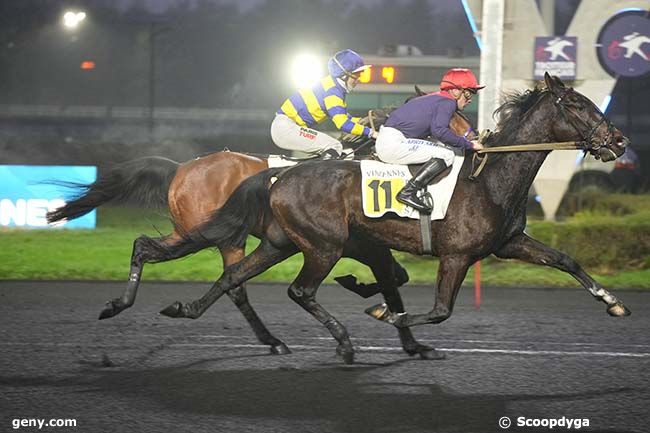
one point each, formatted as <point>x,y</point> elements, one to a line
<point>196,61</point>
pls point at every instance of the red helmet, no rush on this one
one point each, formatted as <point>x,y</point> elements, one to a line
<point>459,78</point>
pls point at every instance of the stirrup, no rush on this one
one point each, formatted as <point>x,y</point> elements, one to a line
<point>415,202</point>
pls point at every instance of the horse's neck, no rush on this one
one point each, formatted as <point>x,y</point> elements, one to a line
<point>512,174</point>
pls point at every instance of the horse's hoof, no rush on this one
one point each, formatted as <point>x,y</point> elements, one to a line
<point>431,354</point>
<point>618,310</point>
<point>346,354</point>
<point>111,309</point>
<point>174,310</point>
<point>280,349</point>
<point>379,312</point>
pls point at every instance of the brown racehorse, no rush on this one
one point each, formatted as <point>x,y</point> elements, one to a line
<point>317,207</point>
<point>193,190</point>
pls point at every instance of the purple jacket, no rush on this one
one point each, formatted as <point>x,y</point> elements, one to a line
<point>428,115</point>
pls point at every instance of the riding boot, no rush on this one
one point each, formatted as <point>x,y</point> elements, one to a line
<point>409,194</point>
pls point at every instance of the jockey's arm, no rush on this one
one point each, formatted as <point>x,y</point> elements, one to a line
<point>337,111</point>
<point>440,130</point>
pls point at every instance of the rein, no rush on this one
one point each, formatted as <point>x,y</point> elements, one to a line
<point>531,147</point>
<point>366,143</point>
<point>561,145</point>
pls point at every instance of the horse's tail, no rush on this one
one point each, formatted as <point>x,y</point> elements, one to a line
<point>227,227</point>
<point>144,180</point>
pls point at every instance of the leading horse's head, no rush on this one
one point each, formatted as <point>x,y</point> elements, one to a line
<point>584,122</point>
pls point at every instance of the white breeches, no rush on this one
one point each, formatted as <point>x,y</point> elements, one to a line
<point>287,134</point>
<point>394,148</point>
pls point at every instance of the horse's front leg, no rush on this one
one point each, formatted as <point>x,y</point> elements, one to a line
<point>409,343</point>
<point>385,269</point>
<point>525,248</point>
<point>451,274</point>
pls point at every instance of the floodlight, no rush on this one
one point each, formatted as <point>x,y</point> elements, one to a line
<point>71,19</point>
<point>306,70</point>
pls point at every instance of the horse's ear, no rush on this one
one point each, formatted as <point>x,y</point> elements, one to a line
<point>553,83</point>
<point>550,82</point>
<point>419,91</point>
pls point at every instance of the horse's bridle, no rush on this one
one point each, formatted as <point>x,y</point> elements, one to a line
<point>572,117</point>
<point>586,143</point>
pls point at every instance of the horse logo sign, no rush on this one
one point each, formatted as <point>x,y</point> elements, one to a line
<point>624,44</point>
<point>557,55</point>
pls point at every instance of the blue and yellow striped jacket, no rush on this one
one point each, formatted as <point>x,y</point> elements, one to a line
<point>309,107</point>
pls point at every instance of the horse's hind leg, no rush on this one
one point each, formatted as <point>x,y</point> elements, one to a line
<point>140,255</point>
<point>303,291</point>
<point>239,297</point>
<point>264,256</point>
<point>525,248</point>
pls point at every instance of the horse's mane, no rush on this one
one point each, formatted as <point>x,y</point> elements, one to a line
<point>510,114</point>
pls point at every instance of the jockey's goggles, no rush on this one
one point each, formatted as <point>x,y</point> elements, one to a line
<point>468,93</point>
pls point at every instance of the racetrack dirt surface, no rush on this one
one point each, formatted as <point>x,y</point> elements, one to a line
<point>525,353</point>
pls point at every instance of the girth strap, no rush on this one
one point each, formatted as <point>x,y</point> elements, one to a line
<point>425,225</point>
<point>425,231</point>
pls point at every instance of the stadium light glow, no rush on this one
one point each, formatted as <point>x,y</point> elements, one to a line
<point>71,19</point>
<point>306,70</point>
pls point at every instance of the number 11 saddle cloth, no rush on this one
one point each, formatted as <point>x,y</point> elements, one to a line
<point>380,183</point>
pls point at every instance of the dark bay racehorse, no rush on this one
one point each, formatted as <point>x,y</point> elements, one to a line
<point>317,207</point>
<point>193,190</point>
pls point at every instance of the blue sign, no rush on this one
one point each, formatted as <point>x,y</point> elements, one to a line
<point>556,55</point>
<point>25,198</point>
<point>623,45</point>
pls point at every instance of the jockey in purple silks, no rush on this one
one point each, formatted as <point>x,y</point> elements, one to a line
<point>403,138</point>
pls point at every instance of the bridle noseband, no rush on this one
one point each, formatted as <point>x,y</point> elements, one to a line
<point>574,118</point>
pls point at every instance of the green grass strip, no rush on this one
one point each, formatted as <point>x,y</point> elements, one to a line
<point>104,254</point>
